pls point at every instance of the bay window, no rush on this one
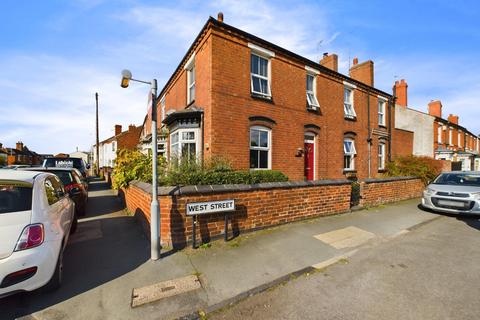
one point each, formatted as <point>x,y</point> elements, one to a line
<point>184,143</point>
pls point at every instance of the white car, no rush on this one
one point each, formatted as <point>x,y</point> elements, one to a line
<point>36,218</point>
<point>454,192</point>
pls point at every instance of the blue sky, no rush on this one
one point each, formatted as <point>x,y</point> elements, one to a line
<point>54,55</point>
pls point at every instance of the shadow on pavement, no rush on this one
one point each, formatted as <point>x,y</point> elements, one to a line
<point>471,220</point>
<point>101,250</point>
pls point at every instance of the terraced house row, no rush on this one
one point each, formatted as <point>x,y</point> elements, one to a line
<point>238,96</point>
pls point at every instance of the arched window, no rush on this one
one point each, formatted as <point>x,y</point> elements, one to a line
<point>349,153</point>
<point>260,148</point>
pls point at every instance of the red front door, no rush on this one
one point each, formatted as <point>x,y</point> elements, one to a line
<point>309,149</point>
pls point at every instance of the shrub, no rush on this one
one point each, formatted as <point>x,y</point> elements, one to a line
<point>133,165</point>
<point>422,167</point>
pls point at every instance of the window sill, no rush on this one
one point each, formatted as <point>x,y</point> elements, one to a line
<point>261,97</point>
<point>346,171</point>
<point>382,170</point>
<point>382,126</point>
<point>315,110</point>
<point>350,118</point>
<point>191,103</point>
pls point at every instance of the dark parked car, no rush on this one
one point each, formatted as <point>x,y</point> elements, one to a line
<point>76,163</point>
<point>73,184</point>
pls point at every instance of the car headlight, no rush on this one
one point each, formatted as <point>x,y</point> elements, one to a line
<point>476,195</point>
<point>429,191</point>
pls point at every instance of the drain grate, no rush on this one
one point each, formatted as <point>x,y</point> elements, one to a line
<point>164,289</point>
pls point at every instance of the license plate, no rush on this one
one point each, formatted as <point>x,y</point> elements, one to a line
<point>451,203</point>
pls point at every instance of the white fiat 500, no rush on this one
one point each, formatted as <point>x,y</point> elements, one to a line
<point>36,217</point>
<point>454,192</point>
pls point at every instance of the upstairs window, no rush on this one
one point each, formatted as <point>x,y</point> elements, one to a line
<point>381,111</point>
<point>459,139</point>
<point>190,69</point>
<point>450,136</point>
<point>348,102</point>
<point>349,153</point>
<point>260,150</point>
<point>439,134</point>
<point>260,83</point>
<point>312,92</point>
<point>162,104</point>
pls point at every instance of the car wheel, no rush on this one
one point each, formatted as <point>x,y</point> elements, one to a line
<point>56,280</point>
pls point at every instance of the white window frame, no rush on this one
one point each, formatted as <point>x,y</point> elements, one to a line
<point>259,148</point>
<point>382,110</point>
<point>459,138</point>
<point>381,156</point>
<point>312,101</point>
<point>313,139</point>
<point>162,105</point>
<point>348,106</point>
<point>267,78</point>
<point>450,136</point>
<point>182,141</point>
<point>439,134</point>
<point>190,69</point>
<point>113,145</point>
<point>352,153</point>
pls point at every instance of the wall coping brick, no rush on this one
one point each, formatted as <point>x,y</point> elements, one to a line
<point>206,189</point>
<point>390,179</point>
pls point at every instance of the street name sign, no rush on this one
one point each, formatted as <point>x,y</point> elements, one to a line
<point>196,208</point>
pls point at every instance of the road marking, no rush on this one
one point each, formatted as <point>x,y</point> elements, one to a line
<point>90,230</point>
<point>164,289</point>
<point>329,262</point>
<point>346,237</point>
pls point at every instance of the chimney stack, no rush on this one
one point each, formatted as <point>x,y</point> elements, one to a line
<point>330,61</point>
<point>118,129</point>
<point>19,146</point>
<point>453,118</point>
<point>362,72</point>
<point>220,17</point>
<point>131,127</point>
<point>400,91</point>
<point>435,108</point>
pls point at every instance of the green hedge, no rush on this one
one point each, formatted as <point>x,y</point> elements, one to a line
<point>133,165</point>
<point>224,177</point>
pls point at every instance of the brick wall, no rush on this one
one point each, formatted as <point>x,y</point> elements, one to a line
<point>378,191</point>
<point>402,143</point>
<point>257,206</point>
<point>260,206</point>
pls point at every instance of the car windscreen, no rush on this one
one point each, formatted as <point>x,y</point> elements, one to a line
<point>63,163</point>
<point>15,196</point>
<point>459,179</point>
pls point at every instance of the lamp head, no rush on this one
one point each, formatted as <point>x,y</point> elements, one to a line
<point>126,77</point>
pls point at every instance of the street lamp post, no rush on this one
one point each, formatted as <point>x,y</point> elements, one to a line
<point>154,206</point>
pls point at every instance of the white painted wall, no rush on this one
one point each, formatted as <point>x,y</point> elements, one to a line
<point>421,124</point>
<point>80,154</point>
<point>107,154</point>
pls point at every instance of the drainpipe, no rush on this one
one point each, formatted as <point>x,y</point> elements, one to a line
<point>369,139</point>
<point>202,117</point>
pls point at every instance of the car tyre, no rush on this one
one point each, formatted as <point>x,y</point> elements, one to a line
<point>56,280</point>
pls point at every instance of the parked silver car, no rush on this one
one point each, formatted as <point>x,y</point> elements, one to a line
<point>454,192</point>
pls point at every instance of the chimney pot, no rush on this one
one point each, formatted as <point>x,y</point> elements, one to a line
<point>325,54</point>
<point>220,17</point>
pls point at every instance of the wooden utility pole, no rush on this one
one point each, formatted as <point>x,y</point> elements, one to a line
<point>97,169</point>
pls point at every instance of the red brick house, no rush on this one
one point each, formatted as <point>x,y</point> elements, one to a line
<point>108,148</point>
<point>238,96</point>
<point>451,140</point>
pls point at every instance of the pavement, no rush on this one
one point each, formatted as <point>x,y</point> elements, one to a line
<point>430,272</point>
<point>109,257</point>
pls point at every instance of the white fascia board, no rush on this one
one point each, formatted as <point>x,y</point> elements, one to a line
<point>190,62</point>
<point>350,85</point>
<point>312,70</point>
<point>382,98</point>
<point>261,51</point>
